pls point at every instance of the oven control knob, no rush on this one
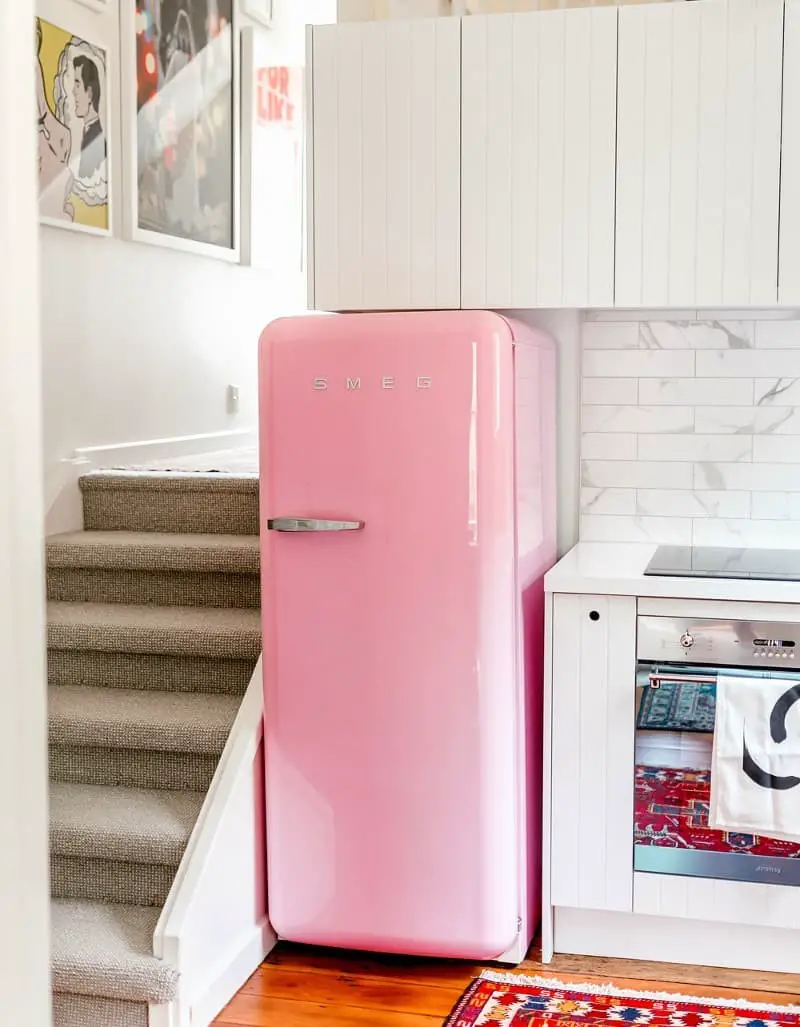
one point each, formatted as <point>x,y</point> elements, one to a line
<point>687,640</point>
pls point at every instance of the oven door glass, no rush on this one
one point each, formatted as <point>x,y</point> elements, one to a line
<point>675,712</point>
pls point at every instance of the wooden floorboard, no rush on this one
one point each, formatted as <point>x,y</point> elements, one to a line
<point>299,986</point>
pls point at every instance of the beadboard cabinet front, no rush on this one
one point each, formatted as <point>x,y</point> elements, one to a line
<point>789,256</point>
<point>592,769</point>
<point>698,153</point>
<point>384,165</point>
<point>537,168</point>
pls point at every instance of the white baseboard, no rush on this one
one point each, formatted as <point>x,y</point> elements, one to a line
<point>591,932</point>
<point>64,508</point>
<point>231,977</point>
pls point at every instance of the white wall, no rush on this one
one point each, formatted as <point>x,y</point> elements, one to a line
<point>24,879</point>
<point>140,342</point>
<point>691,429</point>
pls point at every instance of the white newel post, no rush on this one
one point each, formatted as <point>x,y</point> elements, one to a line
<point>24,890</point>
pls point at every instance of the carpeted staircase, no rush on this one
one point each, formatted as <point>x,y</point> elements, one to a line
<point>153,634</point>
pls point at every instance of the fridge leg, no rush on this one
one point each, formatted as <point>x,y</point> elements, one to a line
<point>516,954</point>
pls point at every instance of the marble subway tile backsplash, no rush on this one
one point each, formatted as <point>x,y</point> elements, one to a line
<point>691,432</point>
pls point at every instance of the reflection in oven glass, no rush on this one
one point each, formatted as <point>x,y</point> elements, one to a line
<point>672,789</point>
<point>671,810</point>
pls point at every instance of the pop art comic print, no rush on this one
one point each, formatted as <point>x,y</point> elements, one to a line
<point>72,128</point>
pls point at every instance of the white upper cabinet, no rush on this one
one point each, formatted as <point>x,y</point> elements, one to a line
<point>789,262</point>
<point>384,165</point>
<point>588,157</point>
<point>698,154</point>
<point>537,169</point>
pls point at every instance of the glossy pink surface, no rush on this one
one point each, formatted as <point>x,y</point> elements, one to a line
<point>397,732</point>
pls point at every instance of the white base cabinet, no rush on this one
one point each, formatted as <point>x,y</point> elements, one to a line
<point>594,669</point>
<point>594,901</point>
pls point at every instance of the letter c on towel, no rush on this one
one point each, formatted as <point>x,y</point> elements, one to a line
<point>777,730</point>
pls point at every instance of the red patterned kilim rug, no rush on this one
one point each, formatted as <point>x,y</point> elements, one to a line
<point>496,999</point>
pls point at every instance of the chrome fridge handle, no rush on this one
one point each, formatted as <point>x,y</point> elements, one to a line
<point>311,524</point>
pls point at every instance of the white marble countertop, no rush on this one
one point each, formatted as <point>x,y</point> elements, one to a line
<point>617,568</point>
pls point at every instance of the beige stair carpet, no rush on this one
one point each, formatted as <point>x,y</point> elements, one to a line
<point>153,635</point>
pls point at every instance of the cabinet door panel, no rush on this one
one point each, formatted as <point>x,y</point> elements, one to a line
<point>538,137</point>
<point>698,153</point>
<point>789,267</point>
<point>594,672</point>
<point>385,165</point>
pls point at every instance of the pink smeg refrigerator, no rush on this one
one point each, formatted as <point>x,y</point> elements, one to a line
<point>408,517</point>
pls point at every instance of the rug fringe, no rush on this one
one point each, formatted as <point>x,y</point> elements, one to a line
<point>610,989</point>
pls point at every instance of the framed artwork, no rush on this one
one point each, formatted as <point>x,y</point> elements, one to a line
<point>259,10</point>
<point>181,100</point>
<point>272,156</point>
<point>72,121</point>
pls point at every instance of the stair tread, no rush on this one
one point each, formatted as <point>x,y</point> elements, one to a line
<point>145,550</point>
<point>135,825</point>
<point>182,630</point>
<point>107,950</point>
<point>121,718</point>
<point>171,481</point>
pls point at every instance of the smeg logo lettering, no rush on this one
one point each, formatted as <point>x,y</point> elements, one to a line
<point>387,382</point>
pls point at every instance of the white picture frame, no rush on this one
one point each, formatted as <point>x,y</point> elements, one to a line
<point>132,226</point>
<point>96,5</point>
<point>261,11</point>
<point>80,193</point>
<point>273,222</point>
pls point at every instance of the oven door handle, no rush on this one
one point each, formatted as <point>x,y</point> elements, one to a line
<point>694,679</point>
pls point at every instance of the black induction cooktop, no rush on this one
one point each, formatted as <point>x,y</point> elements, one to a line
<point>723,562</point>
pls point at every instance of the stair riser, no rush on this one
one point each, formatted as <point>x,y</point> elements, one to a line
<point>132,768</point>
<point>148,671</point>
<point>102,880</point>
<point>120,509</point>
<point>164,588</point>
<point>90,1011</point>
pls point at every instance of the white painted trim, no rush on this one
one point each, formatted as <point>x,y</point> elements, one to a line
<point>547,784</point>
<point>161,1016</point>
<point>308,87</point>
<point>698,314</point>
<point>225,983</point>
<point>247,72</point>
<point>592,932</point>
<point>47,222</point>
<point>209,928</point>
<point>252,10</point>
<point>25,894</point>
<point>63,501</point>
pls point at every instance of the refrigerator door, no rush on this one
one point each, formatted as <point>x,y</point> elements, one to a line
<point>390,649</point>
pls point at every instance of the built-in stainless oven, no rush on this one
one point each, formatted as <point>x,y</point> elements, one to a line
<point>677,666</point>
